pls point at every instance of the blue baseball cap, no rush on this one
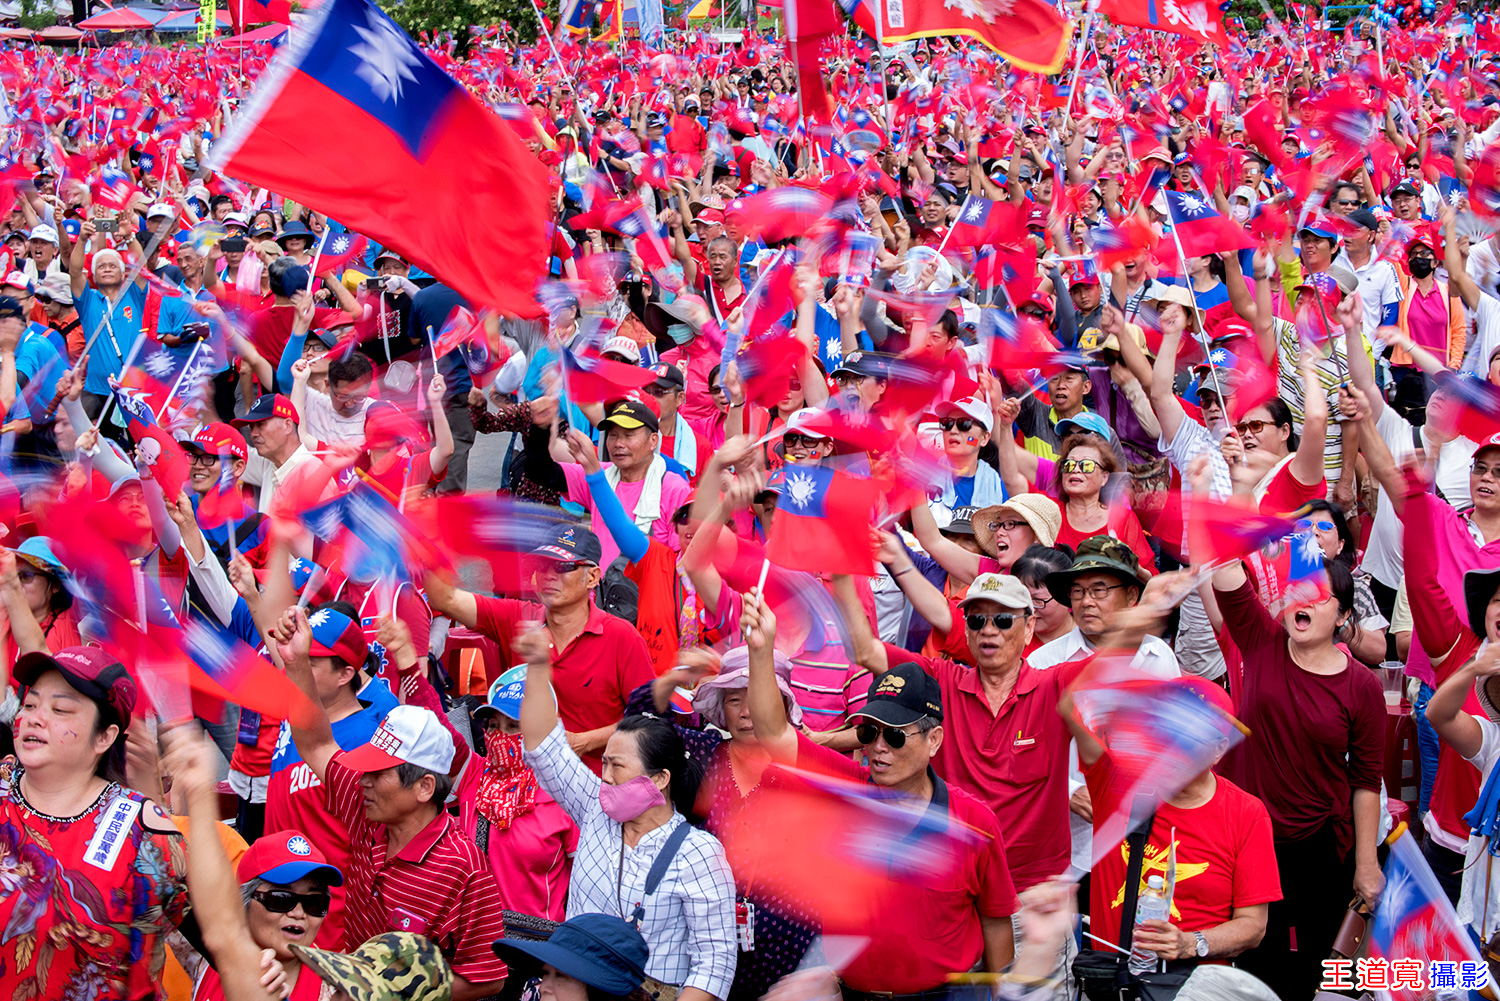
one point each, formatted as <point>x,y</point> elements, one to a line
<point>1087,423</point>
<point>505,694</point>
<point>603,951</point>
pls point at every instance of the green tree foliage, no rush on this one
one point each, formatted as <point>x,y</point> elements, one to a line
<point>458,18</point>
<point>36,14</point>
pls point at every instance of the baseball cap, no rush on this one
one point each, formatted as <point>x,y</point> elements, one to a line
<point>386,425</point>
<point>603,951</point>
<point>285,857</point>
<point>219,439</point>
<point>969,406</point>
<point>1003,589</point>
<point>625,347</point>
<point>668,376</point>
<point>1405,187</point>
<point>45,233</point>
<point>904,694</point>
<point>161,210</point>
<point>20,280</point>
<point>91,671</point>
<point>386,253</point>
<point>961,522</point>
<point>805,422</point>
<point>1085,422</point>
<point>710,215</point>
<point>860,363</point>
<point>1493,441</point>
<point>628,414</point>
<point>1318,228</point>
<point>409,735</point>
<point>1364,219</point>
<point>336,635</point>
<point>397,965</point>
<point>505,694</point>
<point>571,542</point>
<point>56,288</point>
<point>268,405</point>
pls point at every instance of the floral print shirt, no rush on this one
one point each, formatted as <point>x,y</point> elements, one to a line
<point>86,902</point>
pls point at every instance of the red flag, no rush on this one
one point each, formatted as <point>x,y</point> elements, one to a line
<point>418,164</point>
<point>822,522</point>
<point>1029,33</point>
<point>338,251</point>
<point>982,221</point>
<point>246,12</point>
<point>1194,18</point>
<point>1221,530</point>
<point>594,379</point>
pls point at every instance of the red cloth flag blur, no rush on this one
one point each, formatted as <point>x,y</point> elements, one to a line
<point>591,378</point>
<point>417,163</point>
<point>1220,530</point>
<point>1193,18</point>
<point>822,522</point>
<point>243,12</point>
<point>498,530</point>
<point>1029,33</point>
<point>808,24</point>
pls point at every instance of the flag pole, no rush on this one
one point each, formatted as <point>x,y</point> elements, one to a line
<point>946,235</point>
<point>1083,34</point>
<point>890,121</point>
<point>1213,370</point>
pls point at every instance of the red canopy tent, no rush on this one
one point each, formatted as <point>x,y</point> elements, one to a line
<point>123,19</point>
<point>265,33</point>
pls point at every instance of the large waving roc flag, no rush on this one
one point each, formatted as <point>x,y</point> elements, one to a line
<point>1194,18</point>
<point>1029,33</point>
<point>416,162</point>
<point>1415,921</point>
<point>822,522</point>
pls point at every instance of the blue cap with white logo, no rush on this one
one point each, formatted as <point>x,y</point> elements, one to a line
<point>505,694</point>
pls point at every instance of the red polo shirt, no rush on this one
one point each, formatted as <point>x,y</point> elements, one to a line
<point>1014,760</point>
<point>438,885</point>
<point>917,939</point>
<point>593,677</point>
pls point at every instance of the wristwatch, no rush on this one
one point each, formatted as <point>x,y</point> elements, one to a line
<point>1202,945</point>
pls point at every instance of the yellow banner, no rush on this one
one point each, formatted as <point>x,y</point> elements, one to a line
<point>207,20</point>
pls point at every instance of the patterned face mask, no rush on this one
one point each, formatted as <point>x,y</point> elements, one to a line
<point>507,789</point>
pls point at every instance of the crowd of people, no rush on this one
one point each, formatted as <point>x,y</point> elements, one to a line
<point>847,463</point>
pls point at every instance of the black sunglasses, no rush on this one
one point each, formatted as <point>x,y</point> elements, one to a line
<point>866,733</point>
<point>793,439</point>
<point>962,423</point>
<point>1002,620</point>
<point>285,901</point>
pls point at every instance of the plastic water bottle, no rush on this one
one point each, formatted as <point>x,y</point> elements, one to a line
<point>1149,906</point>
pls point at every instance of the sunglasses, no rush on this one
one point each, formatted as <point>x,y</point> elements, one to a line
<point>962,423</point>
<point>1078,465</point>
<point>1345,201</point>
<point>793,439</point>
<point>1252,427</point>
<point>1002,620</point>
<point>560,566</point>
<point>285,901</point>
<point>866,733</point>
<point>1307,523</point>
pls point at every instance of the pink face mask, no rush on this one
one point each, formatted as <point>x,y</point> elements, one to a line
<point>629,800</point>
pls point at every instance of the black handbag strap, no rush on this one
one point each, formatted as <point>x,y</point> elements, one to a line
<point>1136,841</point>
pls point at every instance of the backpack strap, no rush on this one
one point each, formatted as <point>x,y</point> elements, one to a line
<point>1144,805</point>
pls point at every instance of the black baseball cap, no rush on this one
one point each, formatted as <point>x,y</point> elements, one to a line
<point>668,376</point>
<point>1365,219</point>
<point>10,309</point>
<point>571,542</point>
<point>862,363</point>
<point>1406,187</point>
<point>628,414</point>
<point>903,695</point>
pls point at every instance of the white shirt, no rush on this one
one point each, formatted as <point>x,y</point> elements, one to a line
<point>1153,657</point>
<point>279,475</point>
<point>1383,559</point>
<point>1379,286</point>
<point>1479,899</point>
<point>1486,317</point>
<point>326,424</point>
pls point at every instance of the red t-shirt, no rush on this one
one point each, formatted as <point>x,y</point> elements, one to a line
<point>705,450</point>
<point>1122,524</point>
<point>271,328</point>
<point>918,938</point>
<point>1315,738</point>
<point>1226,857</point>
<point>1286,494</point>
<point>1015,760</point>
<point>593,677</point>
<point>309,986</point>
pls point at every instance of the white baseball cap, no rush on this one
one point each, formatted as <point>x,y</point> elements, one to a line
<point>805,421</point>
<point>410,735</point>
<point>45,233</point>
<point>969,406</point>
<point>20,280</point>
<point>623,346</point>
<point>161,210</point>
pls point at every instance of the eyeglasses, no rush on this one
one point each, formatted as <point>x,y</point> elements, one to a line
<point>1039,604</point>
<point>847,379</point>
<point>1078,465</point>
<point>1035,314</point>
<point>1480,470</point>
<point>1307,523</point>
<point>716,389</point>
<point>895,738</point>
<point>1096,591</point>
<point>285,901</point>
<point>656,390</point>
<point>962,423</point>
<point>1009,526</point>
<point>793,439</point>
<point>1002,620</point>
<point>1250,427</point>
<point>26,576</point>
<point>202,459</point>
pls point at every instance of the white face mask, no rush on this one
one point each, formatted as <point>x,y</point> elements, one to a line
<point>1240,212</point>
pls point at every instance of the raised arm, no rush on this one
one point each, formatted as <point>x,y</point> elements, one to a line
<point>926,600</point>
<point>1307,466</point>
<point>314,739</point>
<point>868,651</point>
<point>454,602</point>
<point>1164,401</point>
<point>1445,710</point>
<point>767,709</point>
<point>958,561</point>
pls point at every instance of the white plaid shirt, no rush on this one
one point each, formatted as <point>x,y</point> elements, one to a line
<point>1192,440</point>
<point>689,922</point>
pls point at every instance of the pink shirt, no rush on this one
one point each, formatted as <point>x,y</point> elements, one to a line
<point>1427,319</point>
<point>533,858</point>
<point>674,494</point>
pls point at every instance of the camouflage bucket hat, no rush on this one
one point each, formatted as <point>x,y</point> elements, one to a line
<point>1097,554</point>
<point>396,966</point>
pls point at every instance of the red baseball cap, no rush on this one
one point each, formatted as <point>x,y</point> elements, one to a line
<point>386,424</point>
<point>90,670</point>
<point>283,858</point>
<point>219,438</point>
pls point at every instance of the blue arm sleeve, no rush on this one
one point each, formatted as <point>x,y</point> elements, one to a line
<point>631,540</point>
<point>1390,314</point>
<point>289,354</point>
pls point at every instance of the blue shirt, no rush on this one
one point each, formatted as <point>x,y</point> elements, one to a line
<point>350,732</point>
<point>37,357</point>
<point>123,326</point>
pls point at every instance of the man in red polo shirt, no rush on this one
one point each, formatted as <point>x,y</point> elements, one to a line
<point>410,867</point>
<point>1006,743</point>
<point>598,659</point>
<point>962,917</point>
